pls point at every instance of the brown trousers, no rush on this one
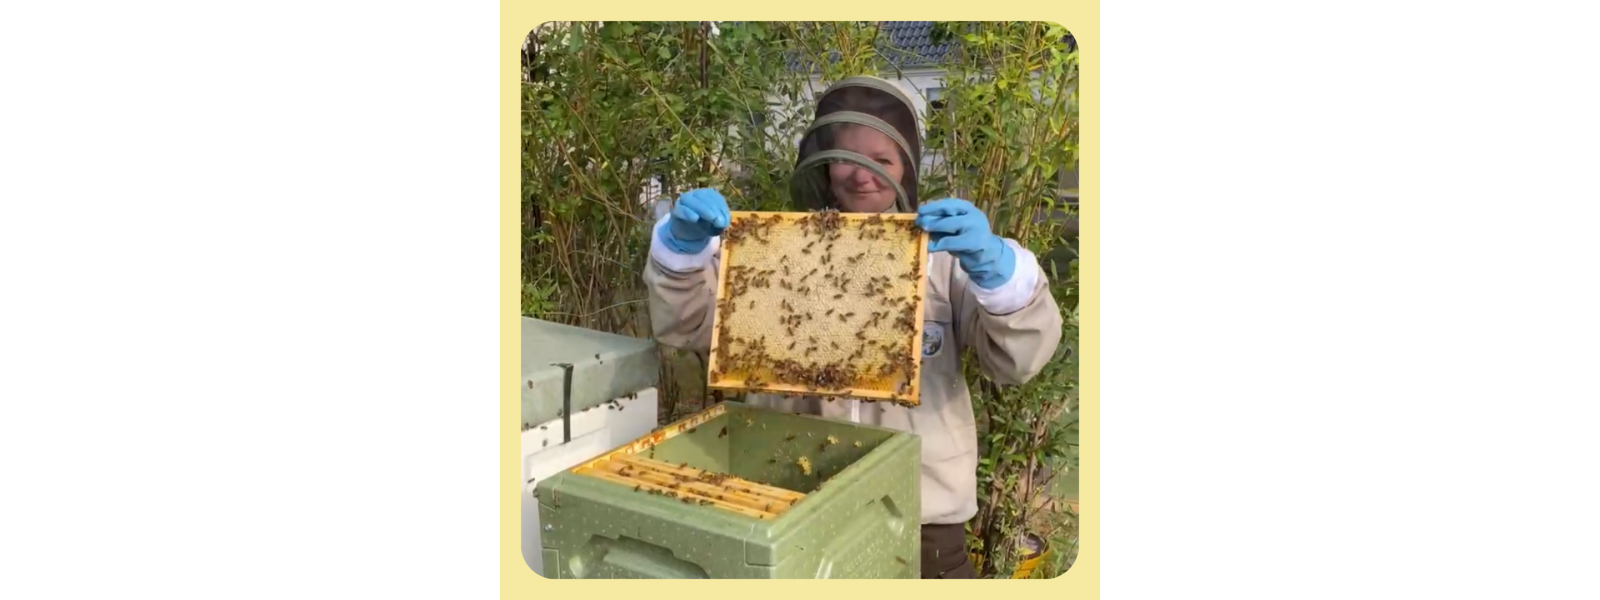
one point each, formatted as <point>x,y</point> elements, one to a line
<point>944,553</point>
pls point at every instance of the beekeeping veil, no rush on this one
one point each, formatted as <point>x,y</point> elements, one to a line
<point>857,102</point>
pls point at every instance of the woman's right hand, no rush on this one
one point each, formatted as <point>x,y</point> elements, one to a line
<point>696,216</point>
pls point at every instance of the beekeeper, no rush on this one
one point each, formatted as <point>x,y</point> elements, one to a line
<point>984,292</point>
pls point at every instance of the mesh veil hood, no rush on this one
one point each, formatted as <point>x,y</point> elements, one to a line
<point>852,102</point>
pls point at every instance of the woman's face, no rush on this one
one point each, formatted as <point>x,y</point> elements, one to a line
<point>857,189</point>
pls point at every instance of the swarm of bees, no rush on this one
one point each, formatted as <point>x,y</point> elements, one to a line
<point>820,303</point>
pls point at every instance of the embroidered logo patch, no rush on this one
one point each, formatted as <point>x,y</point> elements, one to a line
<point>932,338</point>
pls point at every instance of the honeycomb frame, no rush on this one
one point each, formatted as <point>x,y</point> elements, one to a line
<point>631,466</point>
<point>820,303</point>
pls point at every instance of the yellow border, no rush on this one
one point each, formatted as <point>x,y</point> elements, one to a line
<point>518,18</point>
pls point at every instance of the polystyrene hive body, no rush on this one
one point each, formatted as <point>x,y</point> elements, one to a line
<point>855,512</point>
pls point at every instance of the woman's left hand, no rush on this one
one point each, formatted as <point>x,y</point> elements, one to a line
<point>956,226</point>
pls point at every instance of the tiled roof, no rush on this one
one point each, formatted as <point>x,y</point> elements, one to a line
<point>907,45</point>
<point>904,44</point>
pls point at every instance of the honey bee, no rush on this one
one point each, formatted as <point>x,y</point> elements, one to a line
<point>789,438</point>
<point>723,433</point>
<point>858,443</point>
<point>752,304</point>
<point>838,296</point>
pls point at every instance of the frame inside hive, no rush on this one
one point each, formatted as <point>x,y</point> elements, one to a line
<point>634,465</point>
<point>823,303</point>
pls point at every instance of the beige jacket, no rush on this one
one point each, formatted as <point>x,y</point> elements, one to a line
<point>1014,330</point>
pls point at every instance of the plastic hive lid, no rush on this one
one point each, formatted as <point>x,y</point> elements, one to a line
<point>823,303</point>
<point>604,367</point>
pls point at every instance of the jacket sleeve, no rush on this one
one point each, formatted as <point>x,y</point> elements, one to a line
<point>683,291</point>
<point>1015,328</point>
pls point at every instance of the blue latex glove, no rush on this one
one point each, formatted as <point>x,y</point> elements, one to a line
<point>698,215</point>
<point>958,227</point>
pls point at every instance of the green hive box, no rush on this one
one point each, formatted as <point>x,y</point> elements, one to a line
<point>863,522</point>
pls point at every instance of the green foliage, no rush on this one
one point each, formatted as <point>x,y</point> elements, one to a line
<point>1008,129</point>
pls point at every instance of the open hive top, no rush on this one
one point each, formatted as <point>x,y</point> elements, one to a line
<point>824,303</point>
<point>749,461</point>
<point>634,465</point>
